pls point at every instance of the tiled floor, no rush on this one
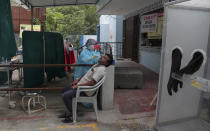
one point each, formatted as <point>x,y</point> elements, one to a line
<point>137,100</point>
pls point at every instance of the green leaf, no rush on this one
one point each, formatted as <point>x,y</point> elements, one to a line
<point>72,20</point>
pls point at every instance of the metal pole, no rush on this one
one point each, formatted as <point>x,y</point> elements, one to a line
<point>43,37</point>
<point>8,78</point>
<point>42,65</point>
<point>32,18</point>
<point>30,89</point>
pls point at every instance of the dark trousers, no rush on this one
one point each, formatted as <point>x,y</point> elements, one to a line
<point>67,95</point>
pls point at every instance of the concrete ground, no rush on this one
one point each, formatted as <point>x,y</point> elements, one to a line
<point>131,111</point>
<point>16,119</point>
<point>112,120</point>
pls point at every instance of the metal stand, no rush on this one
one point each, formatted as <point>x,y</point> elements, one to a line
<point>7,69</point>
<point>33,100</point>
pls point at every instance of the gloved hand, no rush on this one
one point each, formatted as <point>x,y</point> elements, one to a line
<point>175,67</point>
<point>177,83</point>
<point>194,64</point>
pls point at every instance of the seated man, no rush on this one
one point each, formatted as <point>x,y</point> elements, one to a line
<point>94,74</point>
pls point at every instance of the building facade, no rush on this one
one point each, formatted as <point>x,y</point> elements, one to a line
<point>21,15</point>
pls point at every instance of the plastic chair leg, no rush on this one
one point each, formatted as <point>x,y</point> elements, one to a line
<point>96,109</point>
<point>74,110</point>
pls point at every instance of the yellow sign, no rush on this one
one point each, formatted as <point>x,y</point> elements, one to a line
<point>158,34</point>
<point>196,84</point>
<point>25,27</point>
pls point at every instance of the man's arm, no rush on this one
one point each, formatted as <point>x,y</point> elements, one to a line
<point>75,82</point>
<point>90,83</point>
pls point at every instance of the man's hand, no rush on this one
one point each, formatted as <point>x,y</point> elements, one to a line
<point>74,86</point>
<point>73,83</point>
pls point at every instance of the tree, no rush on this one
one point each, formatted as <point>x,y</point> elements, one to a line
<point>72,20</point>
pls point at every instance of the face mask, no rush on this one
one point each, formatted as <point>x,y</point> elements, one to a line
<point>90,47</point>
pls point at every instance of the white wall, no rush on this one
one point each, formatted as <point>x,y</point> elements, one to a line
<point>119,35</point>
<point>150,58</point>
<point>114,31</point>
<point>111,21</point>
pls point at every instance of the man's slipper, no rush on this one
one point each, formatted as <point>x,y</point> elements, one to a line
<point>67,120</point>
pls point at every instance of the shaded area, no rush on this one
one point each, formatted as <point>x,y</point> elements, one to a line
<point>109,120</point>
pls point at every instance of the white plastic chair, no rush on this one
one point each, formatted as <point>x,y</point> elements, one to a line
<point>88,99</point>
